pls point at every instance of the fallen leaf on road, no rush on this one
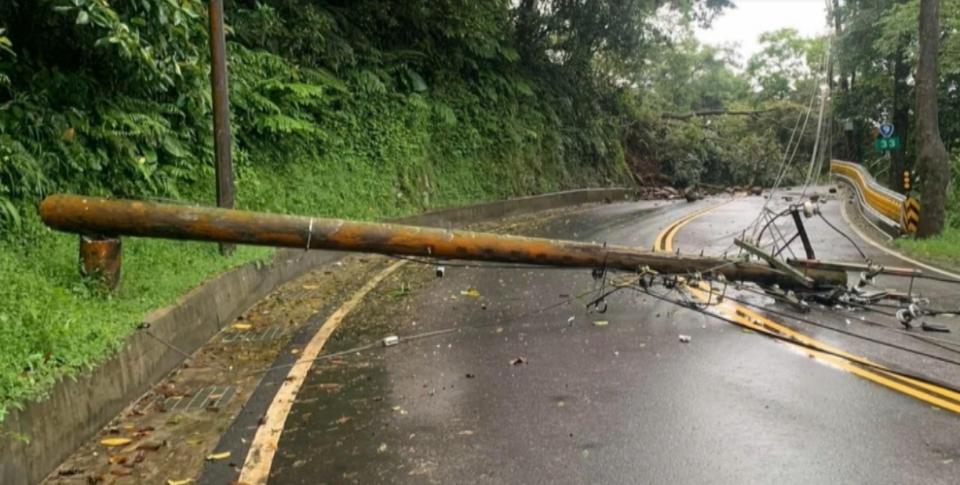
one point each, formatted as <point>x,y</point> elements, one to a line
<point>185,481</point>
<point>115,441</point>
<point>311,287</point>
<point>343,419</point>
<point>218,456</point>
<point>471,292</point>
<point>382,448</point>
<point>118,459</point>
<point>600,323</point>
<point>466,432</point>
<point>152,445</point>
<point>242,326</point>
<point>519,361</point>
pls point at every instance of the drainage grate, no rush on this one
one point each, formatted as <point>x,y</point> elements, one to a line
<point>252,336</point>
<point>213,397</point>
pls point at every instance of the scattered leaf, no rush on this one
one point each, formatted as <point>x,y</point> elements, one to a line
<point>471,292</point>
<point>382,448</point>
<point>152,445</point>
<point>343,419</point>
<point>115,441</point>
<point>242,326</point>
<point>218,456</point>
<point>185,481</point>
<point>600,323</point>
<point>311,287</point>
<point>519,361</point>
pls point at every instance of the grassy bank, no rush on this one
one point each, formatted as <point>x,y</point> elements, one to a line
<point>369,111</point>
<point>401,161</point>
<point>943,249</point>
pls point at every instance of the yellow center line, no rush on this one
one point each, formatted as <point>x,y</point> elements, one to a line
<point>750,319</point>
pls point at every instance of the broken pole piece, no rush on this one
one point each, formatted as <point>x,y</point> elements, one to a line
<point>775,263</point>
<point>100,261</point>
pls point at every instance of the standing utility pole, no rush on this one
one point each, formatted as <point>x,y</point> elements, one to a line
<point>221,112</point>
<point>933,165</point>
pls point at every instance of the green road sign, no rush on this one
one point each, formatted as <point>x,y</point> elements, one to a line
<point>888,144</point>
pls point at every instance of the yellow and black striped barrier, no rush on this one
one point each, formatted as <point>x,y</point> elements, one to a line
<point>911,215</point>
<point>891,211</point>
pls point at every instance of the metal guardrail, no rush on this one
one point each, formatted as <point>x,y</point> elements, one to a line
<point>881,205</point>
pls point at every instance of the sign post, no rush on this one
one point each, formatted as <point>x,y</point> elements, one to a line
<point>221,113</point>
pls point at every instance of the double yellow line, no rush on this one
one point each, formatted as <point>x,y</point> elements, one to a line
<point>859,366</point>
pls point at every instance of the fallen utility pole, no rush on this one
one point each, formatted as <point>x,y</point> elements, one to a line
<point>94,216</point>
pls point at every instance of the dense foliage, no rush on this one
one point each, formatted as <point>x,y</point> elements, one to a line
<point>361,108</point>
<point>876,63</point>
<point>376,108</point>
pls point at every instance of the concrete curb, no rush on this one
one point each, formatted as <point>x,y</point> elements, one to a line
<point>76,409</point>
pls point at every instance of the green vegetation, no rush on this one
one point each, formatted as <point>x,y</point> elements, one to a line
<point>943,249</point>
<point>377,108</point>
<point>363,109</point>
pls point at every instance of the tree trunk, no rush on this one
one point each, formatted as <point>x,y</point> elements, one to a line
<point>901,117</point>
<point>933,165</point>
<point>838,34</point>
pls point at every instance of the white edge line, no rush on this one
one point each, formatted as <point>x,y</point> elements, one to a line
<point>872,242</point>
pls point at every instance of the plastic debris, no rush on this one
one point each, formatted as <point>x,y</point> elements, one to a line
<point>441,270</point>
<point>685,338</point>
<point>218,456</point>
<point>390,341</point>
<point>600,323</point>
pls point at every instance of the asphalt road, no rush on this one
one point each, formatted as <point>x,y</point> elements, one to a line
<point>613,397</point>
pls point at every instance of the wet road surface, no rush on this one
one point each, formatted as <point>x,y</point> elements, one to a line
<point>526,386</point>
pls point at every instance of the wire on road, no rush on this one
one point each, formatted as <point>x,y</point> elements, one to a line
<point>790,340</point>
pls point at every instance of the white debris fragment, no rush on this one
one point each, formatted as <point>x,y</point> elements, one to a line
<point>390,341</point>
<point>685,338</point>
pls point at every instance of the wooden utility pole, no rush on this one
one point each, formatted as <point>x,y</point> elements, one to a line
<point>92,215</point>
<point>933,161</point>
<point>222,139</point>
